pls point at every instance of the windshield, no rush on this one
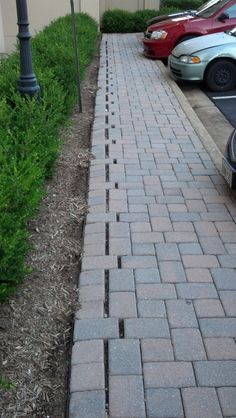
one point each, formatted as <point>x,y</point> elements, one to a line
<point>210,8</point>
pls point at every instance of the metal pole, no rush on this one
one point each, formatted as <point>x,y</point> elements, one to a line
<point>76,54</point>
<point>27,83</point>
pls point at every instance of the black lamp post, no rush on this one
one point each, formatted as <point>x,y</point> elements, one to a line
<point>27,83</point>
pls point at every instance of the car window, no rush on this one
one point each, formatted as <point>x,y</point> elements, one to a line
<point>212,9</point>
<point>232,32</point>
<point>231,11</point>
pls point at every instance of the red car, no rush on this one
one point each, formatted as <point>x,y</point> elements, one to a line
<point>214,16</point>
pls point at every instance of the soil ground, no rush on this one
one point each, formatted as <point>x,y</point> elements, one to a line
<point>36,324</point>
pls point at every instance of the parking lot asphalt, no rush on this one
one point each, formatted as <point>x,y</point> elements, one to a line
<point>154,335</point>
<point>226,102</point>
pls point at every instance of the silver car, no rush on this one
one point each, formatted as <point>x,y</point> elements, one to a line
<point>208,58</point>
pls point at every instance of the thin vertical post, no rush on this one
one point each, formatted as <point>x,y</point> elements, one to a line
<point>77,67</point>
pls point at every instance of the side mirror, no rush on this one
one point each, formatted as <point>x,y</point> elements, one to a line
<point>223,17</point>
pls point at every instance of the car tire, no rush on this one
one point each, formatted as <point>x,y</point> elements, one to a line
<point>185,38</point>
<point>220,76</point>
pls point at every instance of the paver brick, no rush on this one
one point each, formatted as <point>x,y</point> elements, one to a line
<point>179,237</point>
<point>87,404</point>
<point>93,309</point>
<point>205,261</point>
<point>126,397</point>
<point>190,248</point>
<point>205,229</point>
<point>158,349</point>
<point>148,275</point>
<point>146,328</point>
<point>124,357</point>
<point>228,299</point>
<point>167,252</point>
<point>88,352</point>
<point>201,403</point>
<point>151,308</point>
<point>122,305</point>
<point>143,249</point>
<point>91,277</point>
<point>218,327</point>
<point>119,246</point>
<point>88,376</point>
<point>121,280</point>
<point>196,290</point>
<point>161,224</point>
<point>168,375</point>
<point>220,348</point>
<point>215,373</point>
<point>164,403</point>
<point>198,275</point>
<point>227,397</point>
<point>156,291</point>
<point>181,314</point>
<point>224,279</point>
<point>172,272</point>
<point>147,237</point>
<point>208,308</point>
<point>119,230</point>
<point>93,329</point>
<point>98,262</point>
<point>188,345</point>
<point>91,293</point>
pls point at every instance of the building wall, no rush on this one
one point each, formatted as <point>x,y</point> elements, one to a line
<point>42,12</point>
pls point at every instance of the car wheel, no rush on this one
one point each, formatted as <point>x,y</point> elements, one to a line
<point>221,76</point>
<point>185,38</point>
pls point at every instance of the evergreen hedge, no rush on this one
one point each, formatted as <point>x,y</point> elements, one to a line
<point>29,132</point>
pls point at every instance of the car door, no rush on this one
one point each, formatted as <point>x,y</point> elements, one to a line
<point>220,24</point>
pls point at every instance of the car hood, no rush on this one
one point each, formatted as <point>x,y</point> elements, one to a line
<point>159,19</point>
<point>171,22</point>
<point>202,42</point>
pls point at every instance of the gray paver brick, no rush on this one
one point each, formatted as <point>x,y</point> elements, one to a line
<point>121,280</point>
<point>227,397</point>
<point>205,229</point>
<point>147,261</point>
<point>172,272</point>
<point>218,327</point>
<point>228,299</point>
<point>198,275</point>
<point>124,357</point>
<point>164,403</point>
<point>201,403</point>
<point>93,309</point>
<point>89,404</point>
<point>119,246</point>
<point>215,373</point>
<point>87,377</point>
<point>208,308</point>
<point>190,248</point>
<point>196,290</point>
<point>167,252</point>
<point>220,348</point>
<point>122,305</point>
<point>147,237</point>
<point>93,329</point>
<point>98,262</point>
<point>156,291</point>
<point>94,277</point>
<point>225,279</point>
<point>146,328</point>
<point>143,249</point>
<point>212,245</point>
<point>181,314</point>
<point>180,237</point>
<point>207,261</point>
<point>149,275</point>
<point>88,352</point>
<point>158,349</point>
<point>91,293</point>
<point>188,345</point>
<point>119,229</point>
<point>126,397</point>
<point>168,374</point>
<point>151,308</point>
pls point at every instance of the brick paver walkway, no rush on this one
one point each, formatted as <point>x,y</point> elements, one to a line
<point>155,333</point>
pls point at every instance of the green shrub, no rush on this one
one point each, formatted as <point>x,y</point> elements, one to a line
<point>182,4</point>
<point>29,131</point>
<point>122,21</point>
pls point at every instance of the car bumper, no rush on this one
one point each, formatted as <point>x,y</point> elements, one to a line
<point>183,71</point>
<point>156,49</point>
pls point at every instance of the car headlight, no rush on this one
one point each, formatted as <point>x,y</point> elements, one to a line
<point>159,34</point>
<point>189,59</point>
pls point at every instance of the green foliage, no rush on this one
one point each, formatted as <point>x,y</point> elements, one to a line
<point>6,384</point>
<point>29,131</point>
<point>182,4</point>
<point>122,21</point>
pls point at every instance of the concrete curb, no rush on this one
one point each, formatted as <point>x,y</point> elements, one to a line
<point>203,134</point>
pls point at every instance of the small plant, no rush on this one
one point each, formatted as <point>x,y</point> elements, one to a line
<point>6,384</point>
